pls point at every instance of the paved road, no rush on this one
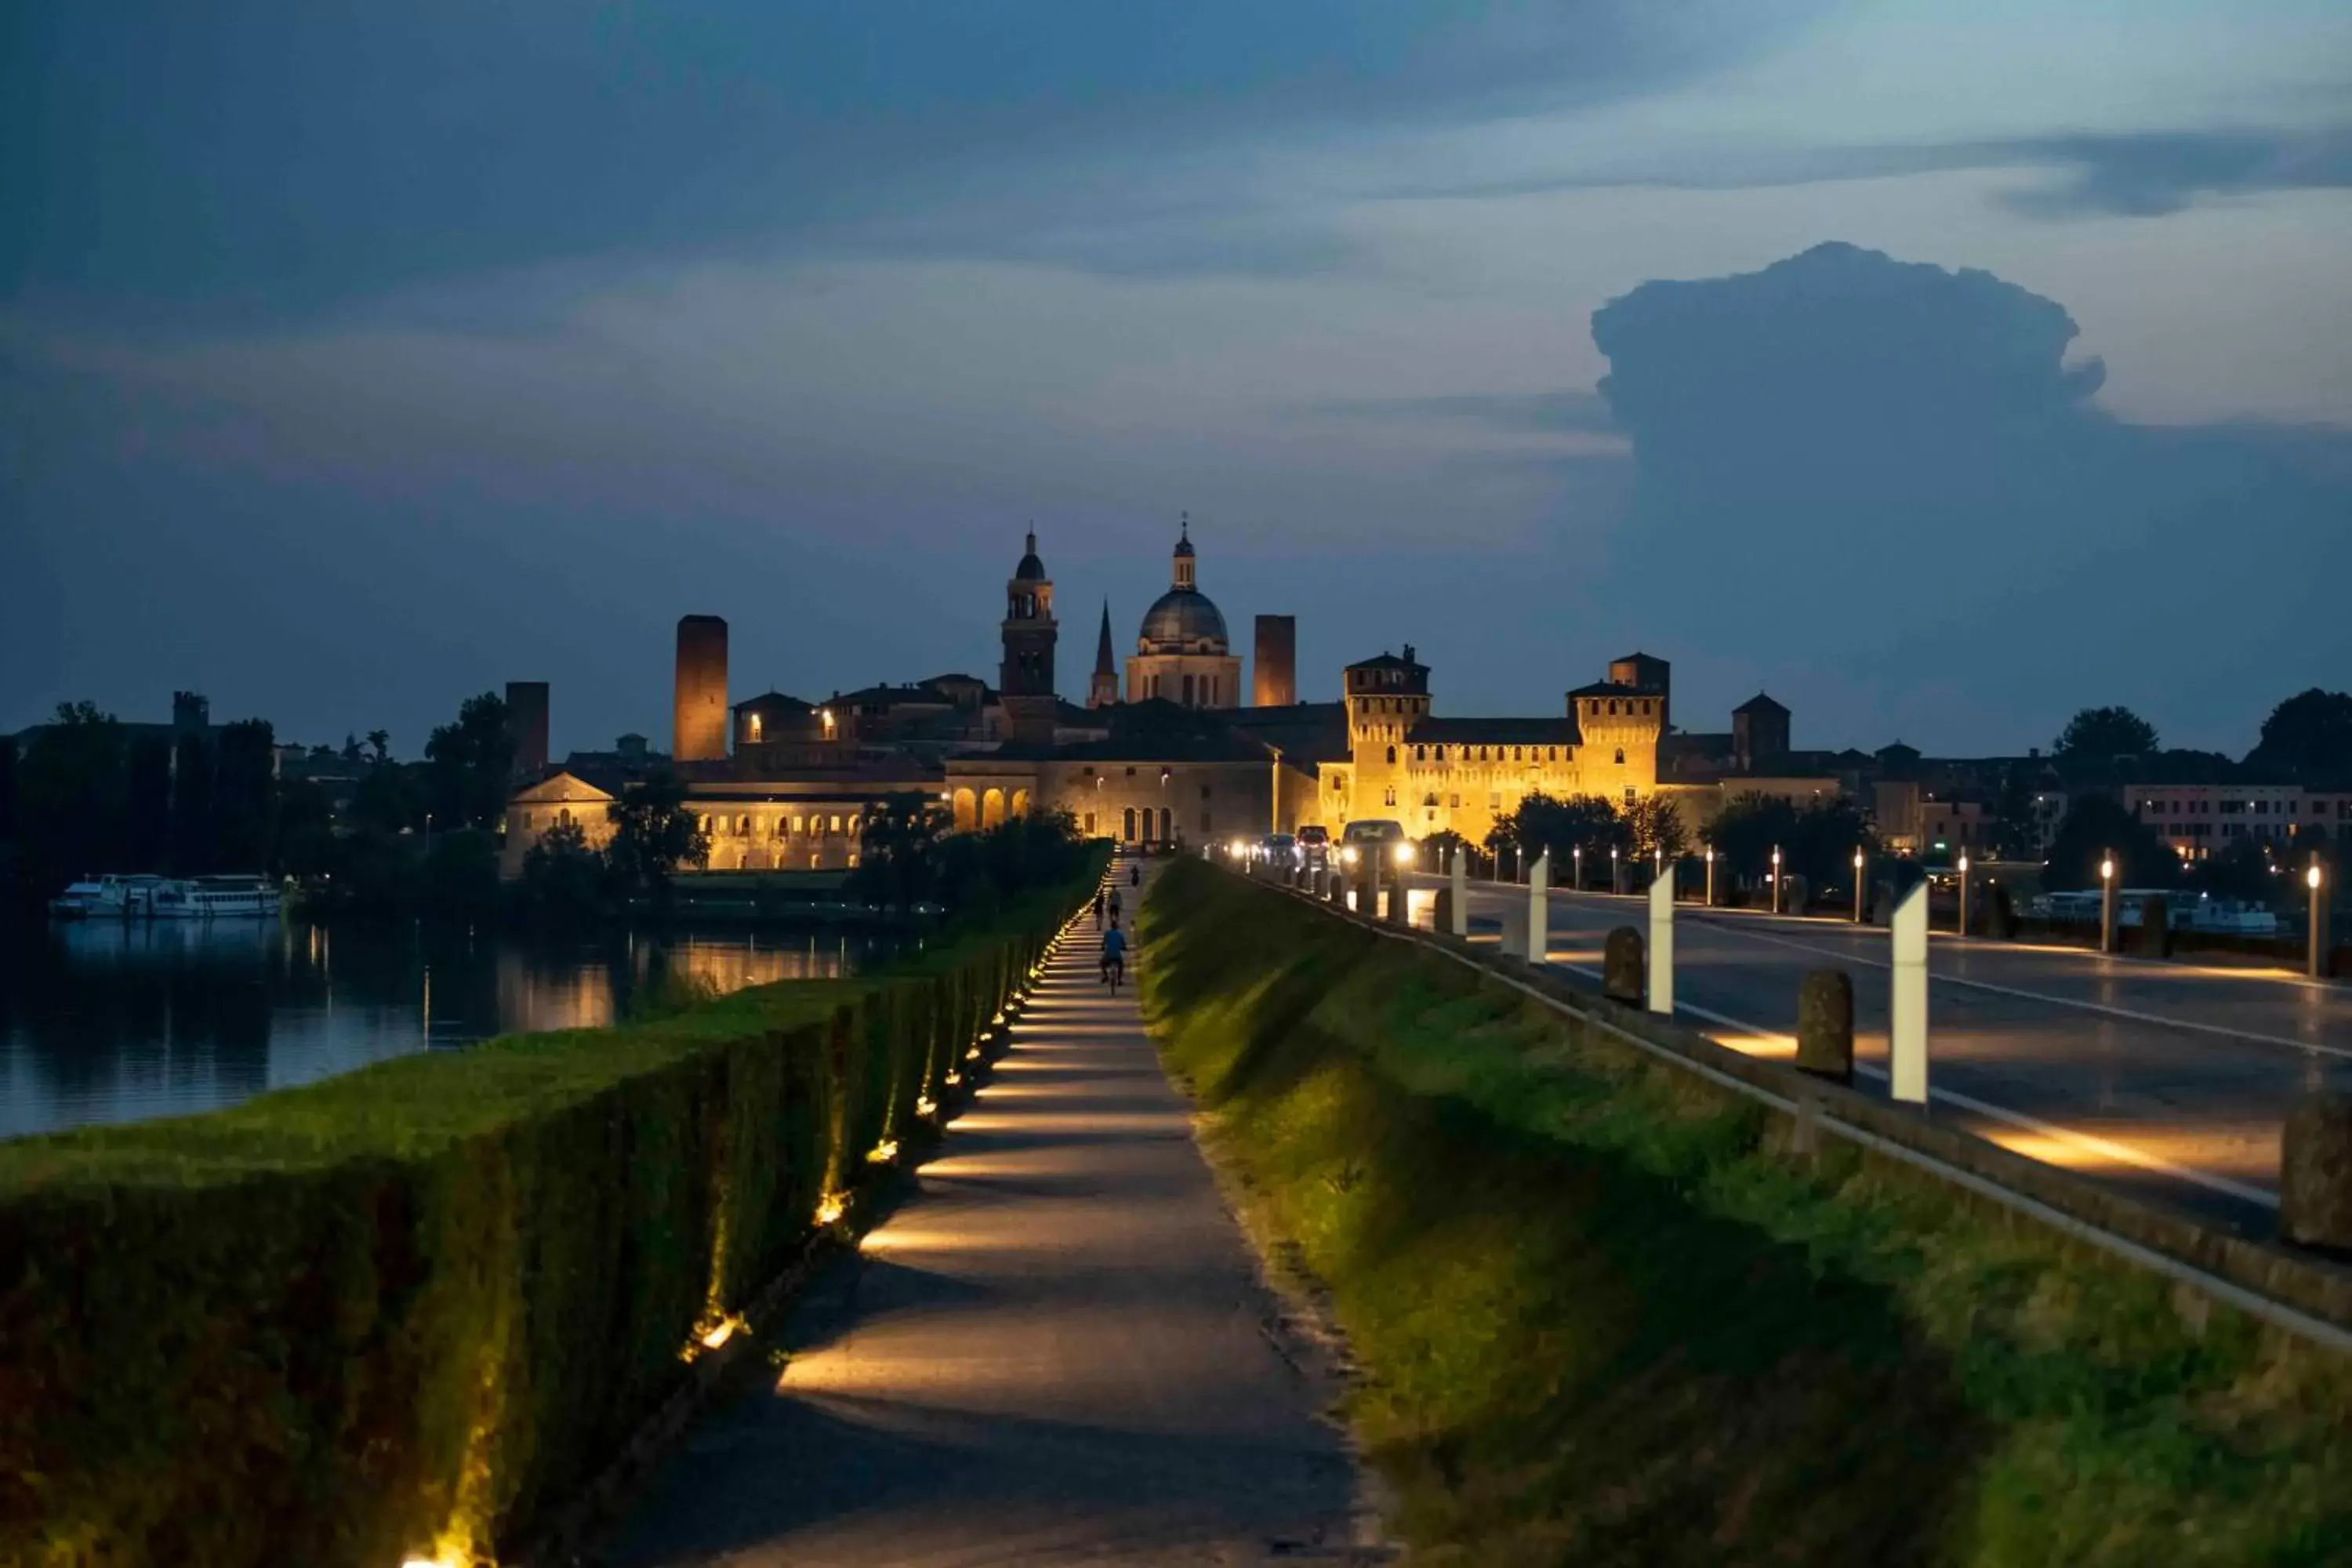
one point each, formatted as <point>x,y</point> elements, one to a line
<point>2170,1079</point>
<point>1056,1353</point>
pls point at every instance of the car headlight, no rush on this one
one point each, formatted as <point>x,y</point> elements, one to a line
<point>1404,854</point>
<point>1348,855</point>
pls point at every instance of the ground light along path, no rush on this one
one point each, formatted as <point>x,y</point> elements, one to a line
<point>1057,1352</point>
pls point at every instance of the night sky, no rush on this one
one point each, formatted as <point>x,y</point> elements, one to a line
<point>1939,367</point>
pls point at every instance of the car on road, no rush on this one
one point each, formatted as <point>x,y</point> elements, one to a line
<point>1376,836</point>
<point>1279,850</point>
<point>1314,846</point>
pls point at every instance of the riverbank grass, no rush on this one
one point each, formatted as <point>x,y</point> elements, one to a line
<point>1604,1317</point>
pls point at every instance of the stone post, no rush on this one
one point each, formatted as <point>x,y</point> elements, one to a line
<point>1399,903</point>
<point>1620,966</point>
<point>1458,914</point>
<point>2316,1173</point>
<point>1907,1020</point>
<point>1825,1025</point>
<point>1661,945</point>
<point>1540,909</point>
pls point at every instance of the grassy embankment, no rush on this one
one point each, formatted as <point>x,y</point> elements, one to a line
<point>1605,1317</point>
<point>407,1312</point>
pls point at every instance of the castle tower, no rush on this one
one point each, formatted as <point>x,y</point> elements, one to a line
<point>1273,682</point>
<point>1760,731</point>
<point>1103,690</point>
<point>1025,680</point>
<point>527,719</point>
<point>700,717</point>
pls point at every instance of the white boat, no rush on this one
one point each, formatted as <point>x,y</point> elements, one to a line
<point>218,898</point>
<point>111,897</point>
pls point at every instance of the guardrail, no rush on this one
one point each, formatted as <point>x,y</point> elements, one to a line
<point>2304,1292</point>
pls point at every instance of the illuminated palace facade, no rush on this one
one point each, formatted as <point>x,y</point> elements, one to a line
<point>785,783</point>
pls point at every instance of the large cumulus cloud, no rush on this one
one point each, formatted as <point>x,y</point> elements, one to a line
<point>1889,480</point>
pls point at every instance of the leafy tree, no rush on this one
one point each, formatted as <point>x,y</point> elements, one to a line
<point>350,752</point>
<point>2097,825</point>
<point>562,876</point>
<point>148,792</point>
<point>470,770</point>
<point>2307,736</point>
<point>1656,825</point>
<point>898,851</point>
<point>380,743</point>
<point>245,798</point>
<point>2242,871</point>
<point>1816,840</point>
<point>305,829</point>
<point>1542,824</point>
<point>2102,734</point>
<point>653,835</point>
<point>72,799</point>
<point>461,874</point>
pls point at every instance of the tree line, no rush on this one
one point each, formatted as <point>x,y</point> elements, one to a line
<point>89,795</point>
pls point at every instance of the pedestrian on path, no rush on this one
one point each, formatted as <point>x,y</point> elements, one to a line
<point>1114,955</point>
<point>1099,909</point>
<point>1113,906</point>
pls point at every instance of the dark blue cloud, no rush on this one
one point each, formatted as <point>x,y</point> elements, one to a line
<point>251,156</point>
<point>2152,173</point>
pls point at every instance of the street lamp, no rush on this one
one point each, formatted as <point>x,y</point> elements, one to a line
<point>1577,854</point>
<point>1860,860</point>
<point>1612,870</point>
<point>1710,876</point>
<point>1776,878</point>
<point>2315,960</point>
<point>1964,892</point>
<point>2107,903</point>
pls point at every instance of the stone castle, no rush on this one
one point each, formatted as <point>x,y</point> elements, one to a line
<point>1170,752</point>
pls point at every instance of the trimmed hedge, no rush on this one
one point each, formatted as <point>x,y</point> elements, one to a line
<point>402,1312</point>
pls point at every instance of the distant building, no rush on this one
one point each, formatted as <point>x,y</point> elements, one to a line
<point>2201,819</point>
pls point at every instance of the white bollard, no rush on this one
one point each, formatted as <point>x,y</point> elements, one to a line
<point>1540,909</point>
<point>1461,893</point>
<point>1661,945</point>
<point>1908,1022</point>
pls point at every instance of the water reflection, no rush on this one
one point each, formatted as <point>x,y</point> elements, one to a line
<point>112,1022</point>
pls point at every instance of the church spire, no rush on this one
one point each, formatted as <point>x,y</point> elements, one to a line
<point>1102,691</point>
<point>1182,575</point>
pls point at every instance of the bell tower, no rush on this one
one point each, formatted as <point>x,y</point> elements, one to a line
<point>1026,678</point>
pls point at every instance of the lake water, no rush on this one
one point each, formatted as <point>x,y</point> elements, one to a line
<point>107,1021</point>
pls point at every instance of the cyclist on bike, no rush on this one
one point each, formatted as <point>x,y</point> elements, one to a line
<point>1114,954</point>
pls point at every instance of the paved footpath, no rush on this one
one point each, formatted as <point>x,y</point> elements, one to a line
<point>1055,1352</point>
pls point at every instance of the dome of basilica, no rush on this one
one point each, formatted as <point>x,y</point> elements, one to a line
<point>1180,621</point>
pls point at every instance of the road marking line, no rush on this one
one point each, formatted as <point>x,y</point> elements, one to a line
<point>2109,1009</point>
<point>2089,1142</point>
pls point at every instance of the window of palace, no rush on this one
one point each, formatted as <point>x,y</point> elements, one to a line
<point>1629,794</point>
<point>1420,753</point>
<point>1389,797</point>
<point>1454,801</point>
<point>836,825</point>
<point>1130,772</point>
<point>1188,691</point>
<point>1494,800</point>
<point>1551,753</point>
<point>1429,799</point>
<point>1621,756</point>
<point>1391,753</point>
<point>1090,824</point>
<point>1612,705</point>
<point>1338,783</point>
<point>1205,792</point>
<point>1519,753</point>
